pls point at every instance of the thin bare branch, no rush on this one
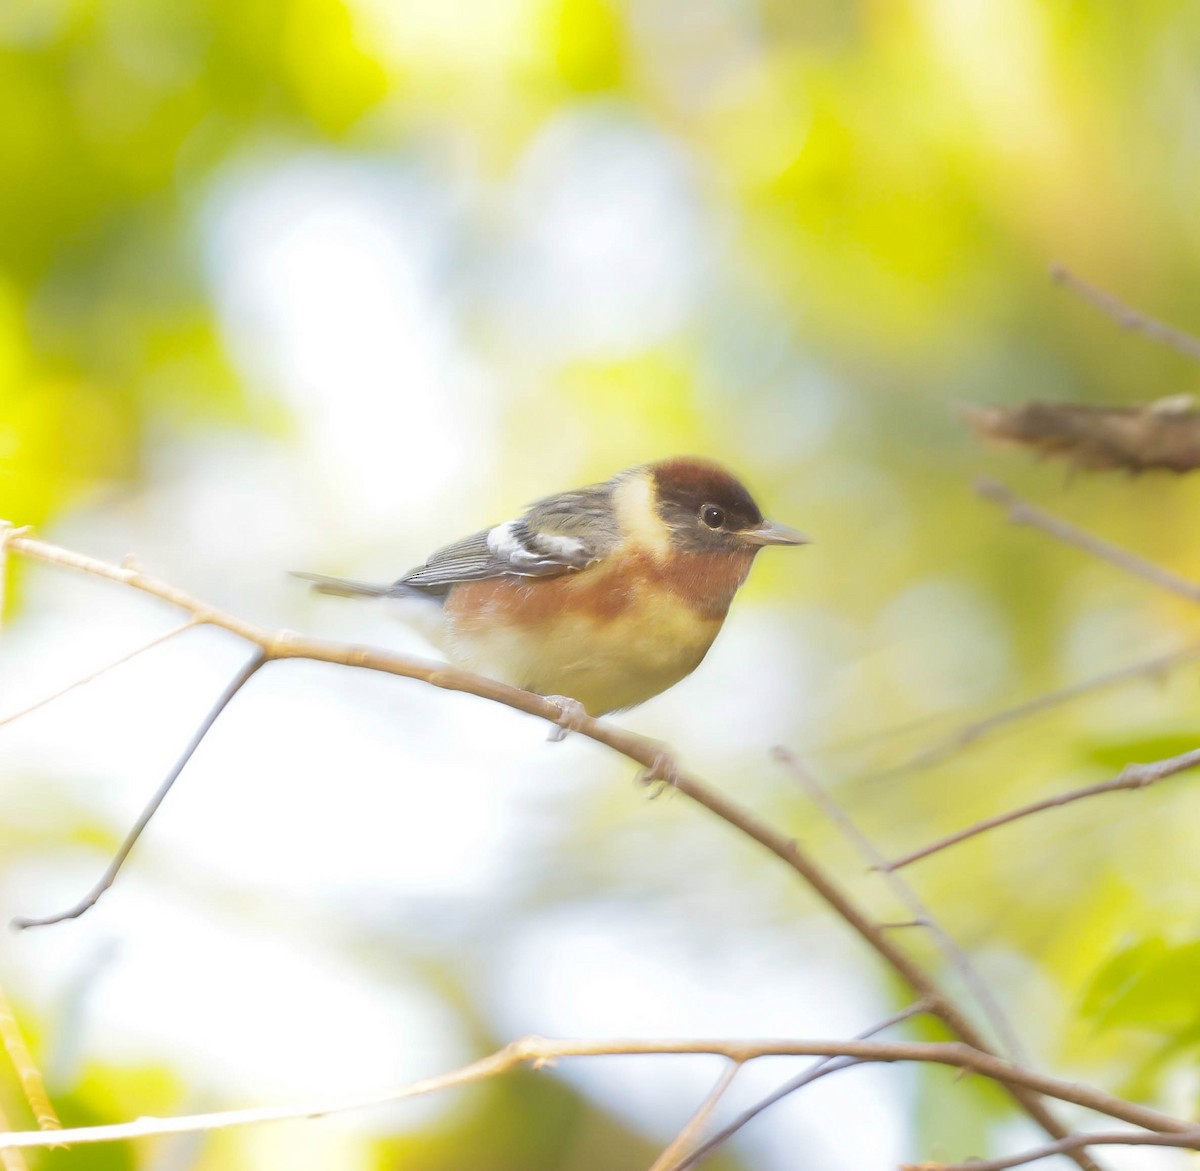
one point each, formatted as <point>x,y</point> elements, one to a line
<point>109,876</point>
<point>1126,317</point>
<point>972,733</point>
<point>1133,777</point>
<point>818,1071</point>
<point>649,754</point>
<point>684,1139</point>
<point>539,1052</point>
<point>46,699</point>
<point>28,1073</point>
<point>1010,1043</point>
<point>815,1072</point>
<point>1023,513</point>
<point>1186,1140</point>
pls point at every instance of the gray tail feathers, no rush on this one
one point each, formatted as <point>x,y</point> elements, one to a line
<point>344,588</point>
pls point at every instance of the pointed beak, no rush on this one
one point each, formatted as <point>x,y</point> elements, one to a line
<point>770,533</point>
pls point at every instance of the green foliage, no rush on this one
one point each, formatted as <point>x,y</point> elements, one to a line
<point>588,45</point>
<point>113,115</point>
<point>1150,985</point>
<point>529,1121</point>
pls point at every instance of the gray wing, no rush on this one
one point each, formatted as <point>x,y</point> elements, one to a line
<point>558,535</point>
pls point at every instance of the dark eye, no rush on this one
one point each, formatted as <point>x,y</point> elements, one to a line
<point>712,515</point>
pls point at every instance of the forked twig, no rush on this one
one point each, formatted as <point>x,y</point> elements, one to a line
<point>815,1072</point>
<point>1135,776</point>
<point>539,1051</point>
<point>818,1071</point>
<point>680,1143</point>
<point>1001,1026</point>
<point>640,749</point>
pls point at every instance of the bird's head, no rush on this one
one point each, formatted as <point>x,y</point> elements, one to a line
<point>705,509</point>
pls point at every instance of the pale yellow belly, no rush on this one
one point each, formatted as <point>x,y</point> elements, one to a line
<point>605,664</point>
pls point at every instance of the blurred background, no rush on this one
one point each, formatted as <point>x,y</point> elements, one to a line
<point>322,284</point>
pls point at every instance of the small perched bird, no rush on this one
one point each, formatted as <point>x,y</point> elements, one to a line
<point>604,595</point>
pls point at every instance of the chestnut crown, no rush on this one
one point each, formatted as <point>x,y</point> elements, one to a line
<point>708,509</point>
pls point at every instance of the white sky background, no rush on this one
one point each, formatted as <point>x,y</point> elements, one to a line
<point>329,806</point>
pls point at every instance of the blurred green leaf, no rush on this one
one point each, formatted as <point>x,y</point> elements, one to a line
<point>1113,755</point>
<point>1147,985</point>
<point>528,1121</point>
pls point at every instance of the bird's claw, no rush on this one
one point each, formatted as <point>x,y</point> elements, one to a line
<point>571,715</point>
<point>661,776</point>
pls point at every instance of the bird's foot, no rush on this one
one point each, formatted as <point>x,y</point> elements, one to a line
<point>571,715</point>
<point>661,776</point>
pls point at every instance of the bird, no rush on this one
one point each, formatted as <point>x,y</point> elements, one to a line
<point>598,598</point>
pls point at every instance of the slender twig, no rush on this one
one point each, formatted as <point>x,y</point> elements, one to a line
<point>1021,512</point>
<point>640,749</point>
<point>28,1073</point>
<point>41,703</point>
<point>1132,777</point>
<point>1010,1043</point>
<point>816,1071</point>
<point>118,860</point>
<point>680,1143</point>
<point>1126,317</point>
<point>971,733</point>
<point>1187,1140</point>
<point>539,1052</point>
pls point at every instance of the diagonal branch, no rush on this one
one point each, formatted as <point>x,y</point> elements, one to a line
<point>1021,512</point>
<point>46,699</point>
<point>640,749</point>
<point>977,730</point>
<point>30,1077</point>
<point>1134,776</point>
<point>1125,317</point>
